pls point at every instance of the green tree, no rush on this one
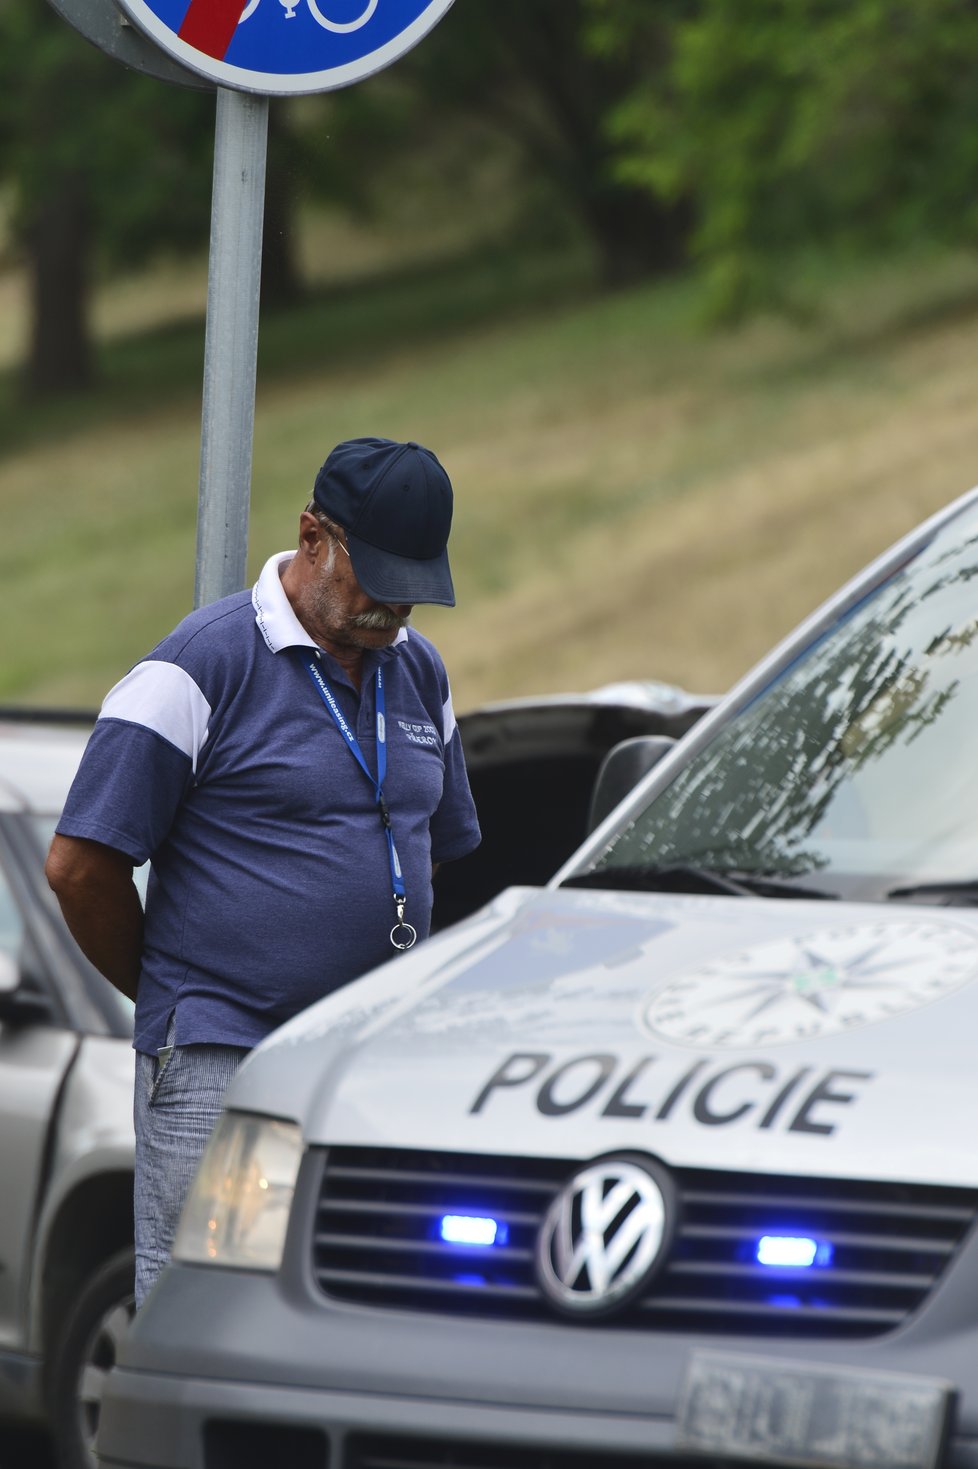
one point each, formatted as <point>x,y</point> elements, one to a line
<point>545,76</point>
<point>325,147</point>
<point>104,167</point>
<point>834,124</point>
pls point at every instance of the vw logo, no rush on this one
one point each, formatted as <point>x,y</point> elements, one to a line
<point>604,1235</point>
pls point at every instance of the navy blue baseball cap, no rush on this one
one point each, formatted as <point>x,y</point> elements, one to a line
<point>395,503</point>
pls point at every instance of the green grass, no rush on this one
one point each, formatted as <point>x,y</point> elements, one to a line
<point>360,321</point>
<point>636,497</point>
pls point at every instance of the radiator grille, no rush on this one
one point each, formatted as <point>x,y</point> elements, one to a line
<point>377,1241</point>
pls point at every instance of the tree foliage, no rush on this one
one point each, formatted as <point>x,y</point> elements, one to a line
<point>542,77</point>
<point>739,130</point>
<point>809,123</point>
<point>103,168</point>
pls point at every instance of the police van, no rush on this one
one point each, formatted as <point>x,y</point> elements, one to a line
<point>672,1158</point>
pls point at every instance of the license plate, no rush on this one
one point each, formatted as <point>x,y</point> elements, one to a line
<point>773,1411</point>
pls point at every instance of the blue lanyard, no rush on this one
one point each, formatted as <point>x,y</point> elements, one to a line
<point>405,933</point>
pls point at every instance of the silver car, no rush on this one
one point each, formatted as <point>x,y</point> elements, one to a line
<point>66,1146</point>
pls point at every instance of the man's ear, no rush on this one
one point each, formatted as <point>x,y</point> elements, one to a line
<point>310,540</point>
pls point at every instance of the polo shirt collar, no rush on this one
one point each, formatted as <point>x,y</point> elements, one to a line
<point>276,620</point>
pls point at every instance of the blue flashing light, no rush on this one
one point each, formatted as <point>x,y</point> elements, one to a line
<point>793,1252</point>
<point>471,1229</point>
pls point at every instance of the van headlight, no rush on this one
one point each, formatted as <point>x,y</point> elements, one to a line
<point>237,1210</point>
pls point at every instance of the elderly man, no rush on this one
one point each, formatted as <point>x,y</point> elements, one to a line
<point>288,761</point>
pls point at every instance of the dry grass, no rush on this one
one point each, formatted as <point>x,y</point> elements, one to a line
<point>635,499</point>
<point>721,509</point>
<point>331,247</point>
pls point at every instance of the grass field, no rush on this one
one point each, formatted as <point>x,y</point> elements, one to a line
<point>636,497</point>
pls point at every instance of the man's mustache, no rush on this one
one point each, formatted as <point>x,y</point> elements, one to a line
<point>379,619</point>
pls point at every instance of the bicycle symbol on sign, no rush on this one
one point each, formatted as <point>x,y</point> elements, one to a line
<point>289,6</point>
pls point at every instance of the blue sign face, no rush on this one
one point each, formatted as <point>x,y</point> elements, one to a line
<point>285,46</point>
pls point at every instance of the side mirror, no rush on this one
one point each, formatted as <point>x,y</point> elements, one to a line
<point>9,975</point>
<point>20,1004</point>
<point>621,770</point>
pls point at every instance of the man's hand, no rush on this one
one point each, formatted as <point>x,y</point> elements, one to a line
<point>93,883</point>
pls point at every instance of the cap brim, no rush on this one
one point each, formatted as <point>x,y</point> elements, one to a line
<point>398,579</point>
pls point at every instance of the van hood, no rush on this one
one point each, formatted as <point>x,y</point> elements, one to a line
<point>795,1036</point>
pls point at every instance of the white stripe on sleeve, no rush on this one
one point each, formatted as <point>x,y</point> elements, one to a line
<point>163,698</point>
<point>447,720</point>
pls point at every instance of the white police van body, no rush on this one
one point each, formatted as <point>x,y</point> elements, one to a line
<point>673,1158</point>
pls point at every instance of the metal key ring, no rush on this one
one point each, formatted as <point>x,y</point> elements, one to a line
<point>406,928</point>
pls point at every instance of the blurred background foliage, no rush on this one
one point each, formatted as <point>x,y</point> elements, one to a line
<point>729,133</point>
<point>836,125</point>
<point>658,279</point>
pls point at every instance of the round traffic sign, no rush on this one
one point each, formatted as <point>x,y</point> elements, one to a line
<point>285,47</point>
<point>102,23</point>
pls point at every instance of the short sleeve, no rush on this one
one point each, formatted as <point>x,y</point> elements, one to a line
<point>139,762</point>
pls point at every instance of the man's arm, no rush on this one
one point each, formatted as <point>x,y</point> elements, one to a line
<point>93,883</point>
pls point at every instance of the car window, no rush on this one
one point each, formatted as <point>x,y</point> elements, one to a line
<point>855,765</point>
<point>44,827</point>
<point>11,934</point>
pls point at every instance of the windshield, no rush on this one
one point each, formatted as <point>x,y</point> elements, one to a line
<point>855,771</point>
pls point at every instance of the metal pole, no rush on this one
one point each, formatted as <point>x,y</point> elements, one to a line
<point>231,343</point>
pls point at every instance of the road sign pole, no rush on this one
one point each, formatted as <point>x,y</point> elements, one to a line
<point>231,344</point>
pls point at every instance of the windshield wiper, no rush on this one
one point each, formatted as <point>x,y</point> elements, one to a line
<point>779,887</point>
<point>963,893</point>
<point>686,877</point>
<point>679,877</point>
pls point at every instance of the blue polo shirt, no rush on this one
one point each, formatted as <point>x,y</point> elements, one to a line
<point>216,760</point>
